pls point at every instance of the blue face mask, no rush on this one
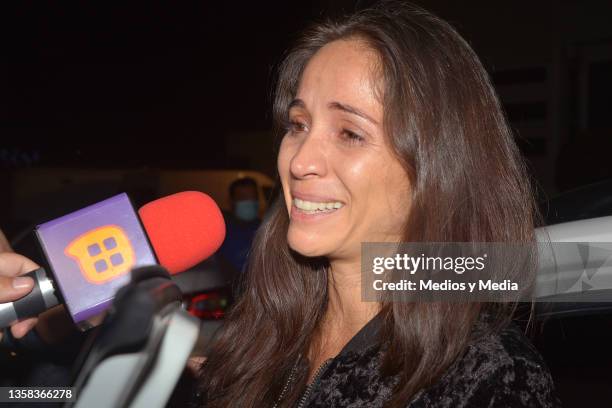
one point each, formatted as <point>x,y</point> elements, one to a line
<point>246,210</point>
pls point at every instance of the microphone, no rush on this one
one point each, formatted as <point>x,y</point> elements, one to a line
<point>90,252</point>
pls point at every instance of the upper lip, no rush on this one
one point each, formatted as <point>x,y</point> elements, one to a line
<point>315,198</point>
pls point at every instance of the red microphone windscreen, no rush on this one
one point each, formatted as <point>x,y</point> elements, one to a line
<point>184,229</point>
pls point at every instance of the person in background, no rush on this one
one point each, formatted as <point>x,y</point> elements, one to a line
<point>241,224</point>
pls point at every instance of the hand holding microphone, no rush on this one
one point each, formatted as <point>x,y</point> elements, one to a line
<point>14,286</point>
<point>90,253</point>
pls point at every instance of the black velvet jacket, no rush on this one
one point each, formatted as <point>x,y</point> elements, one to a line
<point>497,370</point>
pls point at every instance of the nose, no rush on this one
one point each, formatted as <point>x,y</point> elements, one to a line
<point>310,158</point>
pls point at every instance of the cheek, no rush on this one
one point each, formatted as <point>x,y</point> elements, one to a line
<point>357,174</point>
<point>391,198</point>
<point>370,188</point>
<point>283,163</point>
<point>398,191</point>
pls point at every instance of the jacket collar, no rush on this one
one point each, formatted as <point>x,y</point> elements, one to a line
<point>366,337</point>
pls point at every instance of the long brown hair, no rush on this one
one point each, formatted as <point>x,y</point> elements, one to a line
<point>469,184</point>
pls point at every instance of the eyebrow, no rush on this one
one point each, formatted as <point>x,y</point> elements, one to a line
<point>298,103</point>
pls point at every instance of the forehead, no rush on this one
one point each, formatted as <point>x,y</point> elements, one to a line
<point>342,71</point>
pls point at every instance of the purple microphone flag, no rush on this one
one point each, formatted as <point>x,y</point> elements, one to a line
<point>91,252</point>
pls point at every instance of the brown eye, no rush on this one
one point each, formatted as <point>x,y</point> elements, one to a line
<point>352,137</point>
<point>294,126</point>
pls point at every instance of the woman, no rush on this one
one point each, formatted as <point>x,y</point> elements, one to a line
<point>391,132</point>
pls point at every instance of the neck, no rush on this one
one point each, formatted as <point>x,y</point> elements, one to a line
<point>346,312</point>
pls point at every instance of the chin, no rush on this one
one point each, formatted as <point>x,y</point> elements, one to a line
<point>309,247</point>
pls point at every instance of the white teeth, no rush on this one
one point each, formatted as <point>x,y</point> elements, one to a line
<point>312,206</point>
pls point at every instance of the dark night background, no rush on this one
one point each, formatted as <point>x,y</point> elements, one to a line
<point>187,85</point>
<point>181,84</point>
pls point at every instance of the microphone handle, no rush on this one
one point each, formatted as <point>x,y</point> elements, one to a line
<point>42,297</point>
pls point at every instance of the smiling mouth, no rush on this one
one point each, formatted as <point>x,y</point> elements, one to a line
<point>311,207</point>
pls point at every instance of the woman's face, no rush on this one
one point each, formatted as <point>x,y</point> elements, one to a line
<point>342,185</point>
